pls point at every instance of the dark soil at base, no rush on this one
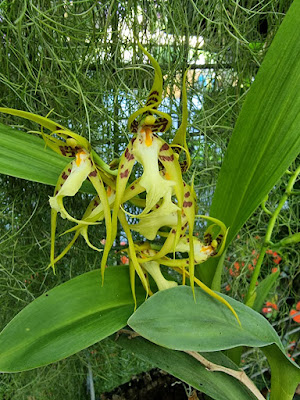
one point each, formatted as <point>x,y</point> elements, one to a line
<point>153,385</point>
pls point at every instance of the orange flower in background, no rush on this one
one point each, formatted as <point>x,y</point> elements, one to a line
<point>227,288</point>
<point>267,310</point>
<point>295,314</point>
<point>270,304</point>
<point>275,269</point>
<point>298,306</point>
<point>235,271</point>
<point>236,266</point>
<point>276,256</point>
<point>124,260</point>
<point>277,259</point>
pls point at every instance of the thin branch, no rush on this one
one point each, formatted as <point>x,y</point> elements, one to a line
<point>239,375</point>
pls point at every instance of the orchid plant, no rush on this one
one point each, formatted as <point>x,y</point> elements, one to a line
<point>79,313</point>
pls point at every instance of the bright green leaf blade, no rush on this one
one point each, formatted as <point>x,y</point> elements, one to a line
<point>173,319</point>
<point>217,385</point>
<point>67,319</point>
<point>266,137</point>
<point>25,156</point>
<point>263,289</point>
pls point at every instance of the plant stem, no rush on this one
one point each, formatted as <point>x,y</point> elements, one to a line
<point>239,375</point>
<point>252,287</point>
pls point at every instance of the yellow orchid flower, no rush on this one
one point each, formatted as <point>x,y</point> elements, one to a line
<point>169,208</point>
<point>147,148</point>
<point>70,145</point>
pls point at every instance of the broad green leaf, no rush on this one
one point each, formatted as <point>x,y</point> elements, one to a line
<point>263,289</point>
<point>266,137</point>
<point>173,319</point>
<point>217,385</point>
<point>25,156</point>
<point>67,319</point>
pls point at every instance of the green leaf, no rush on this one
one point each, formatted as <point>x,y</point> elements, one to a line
<point>25,156</point>
<point>217,385</point>
<point>173,319</point>
<point>263,289</point>
<point>266,137</point>
<point>67,319</point>
<point>285,377</point>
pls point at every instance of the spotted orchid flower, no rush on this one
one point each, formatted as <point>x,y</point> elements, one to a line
<point>202,251</point>
<point>85,164</point>
<point>153,153</point>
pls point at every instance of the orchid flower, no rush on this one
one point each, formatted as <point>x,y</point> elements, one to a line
<point>85,164</point>
<point>151,151</point>
<point>169,209</point>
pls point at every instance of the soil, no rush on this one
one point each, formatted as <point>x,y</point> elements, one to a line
<point>153,385</point>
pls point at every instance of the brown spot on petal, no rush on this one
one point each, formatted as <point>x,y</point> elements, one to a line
<point>69,169</point>
<point>132,187</point>
<point>187,204</point>
<point>124,174</point>
<point>62,150</point>
<point>165,147</point>
<point>173,231</point>
<point>128,155</point>
<point>167,158</point>
<point>187,194</point>
<point>64,175</point>
<point>93,173</point>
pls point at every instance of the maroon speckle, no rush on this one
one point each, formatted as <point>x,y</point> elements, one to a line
<point>69,169</point>
<point>55,192</point>
<point>62,150</point>
<point>96,203</point>
<point>128,155</point>
<point>133,140</point>
<point>132,187</point>
<point>165,147</point>
<point>187,204</point>
<point>188,240</point>
<point>124,174</point>
<point>184,184</point>
<point>167,158</point>
<point>64,175</point>
<point>93,173</point>
<point>173,231</point>
<point>122,166</point>
<point>187,194</point>
<point>156,205</point>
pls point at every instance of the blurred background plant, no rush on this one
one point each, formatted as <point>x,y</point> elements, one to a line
<point>78,59</point>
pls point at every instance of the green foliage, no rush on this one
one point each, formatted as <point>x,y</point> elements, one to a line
<point>67,319</point>
<point>70,57</point>
<point>216,385</point>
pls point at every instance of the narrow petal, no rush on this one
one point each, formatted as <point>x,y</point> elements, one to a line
<point>180,136</point>
<point>125,167</point>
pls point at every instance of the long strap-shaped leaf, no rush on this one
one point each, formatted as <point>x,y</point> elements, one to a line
<point>266,137</point>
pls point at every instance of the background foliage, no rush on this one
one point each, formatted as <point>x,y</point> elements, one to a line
<point>77,58</point>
